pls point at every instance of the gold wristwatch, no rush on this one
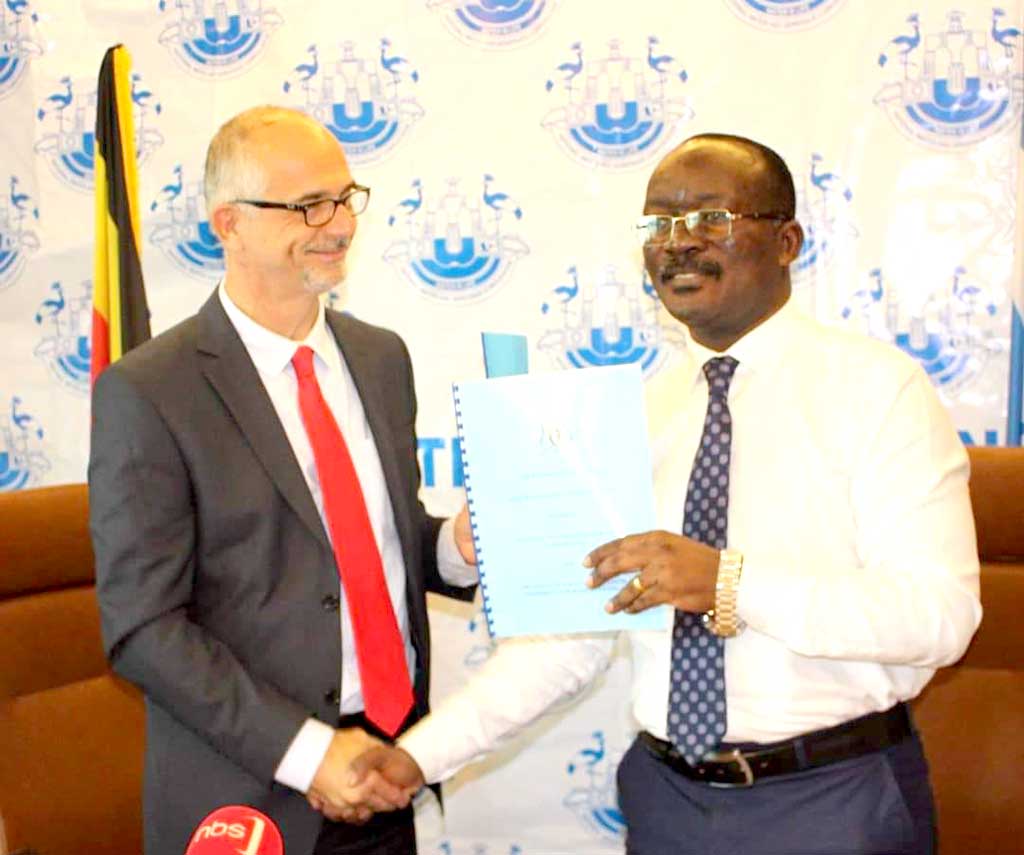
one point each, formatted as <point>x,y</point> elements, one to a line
<point>723,619</point>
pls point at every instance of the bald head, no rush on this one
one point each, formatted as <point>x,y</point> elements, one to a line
<point>767,177</point>
<point>233,166</point>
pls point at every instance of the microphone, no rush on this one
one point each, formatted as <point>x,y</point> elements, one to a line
<point>236,830</point>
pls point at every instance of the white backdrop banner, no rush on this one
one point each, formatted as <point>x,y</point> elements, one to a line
<point>508,144</point>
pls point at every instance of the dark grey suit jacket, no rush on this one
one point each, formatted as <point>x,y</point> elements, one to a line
<point>216,580</point>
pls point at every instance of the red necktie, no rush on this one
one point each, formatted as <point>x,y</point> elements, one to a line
<point>380,651</point>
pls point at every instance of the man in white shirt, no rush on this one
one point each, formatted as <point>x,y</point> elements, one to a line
<point>818,550</point>
<point>262,557</point>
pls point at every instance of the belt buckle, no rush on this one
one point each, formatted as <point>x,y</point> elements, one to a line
<point>734,756</point>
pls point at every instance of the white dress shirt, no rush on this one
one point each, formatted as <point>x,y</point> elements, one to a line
<point>272,354</point>
<point>848,498</point>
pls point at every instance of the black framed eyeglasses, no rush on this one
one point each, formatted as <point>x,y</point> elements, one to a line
<point>713,224</point>
<point>321,212</point>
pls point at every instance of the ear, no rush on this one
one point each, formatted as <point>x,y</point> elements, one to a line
<point>224,222</point>
<point>791,239</point>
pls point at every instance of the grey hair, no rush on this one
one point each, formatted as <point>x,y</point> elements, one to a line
<point>232,170</point>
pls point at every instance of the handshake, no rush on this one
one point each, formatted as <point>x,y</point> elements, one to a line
<point>361,775</point>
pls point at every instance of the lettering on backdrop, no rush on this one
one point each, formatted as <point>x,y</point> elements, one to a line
<point>433,450</point>
<point>784,14</point>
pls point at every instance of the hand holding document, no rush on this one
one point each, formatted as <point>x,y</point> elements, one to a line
<point>555,465</point>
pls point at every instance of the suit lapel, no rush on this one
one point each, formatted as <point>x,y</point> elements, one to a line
<point>360,356</point>
<point>230,371</point>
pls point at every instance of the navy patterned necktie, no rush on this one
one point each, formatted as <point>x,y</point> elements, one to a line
<point>696,708</point>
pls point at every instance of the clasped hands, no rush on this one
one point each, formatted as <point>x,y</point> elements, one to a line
<point>360,775</point>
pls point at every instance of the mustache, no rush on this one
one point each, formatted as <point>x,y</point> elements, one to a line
<point>682,266</point>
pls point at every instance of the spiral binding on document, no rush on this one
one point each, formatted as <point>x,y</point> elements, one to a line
<point>473,524</point>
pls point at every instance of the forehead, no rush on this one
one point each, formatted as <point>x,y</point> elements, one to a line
<point>300,158</point>
<point>709,174</point>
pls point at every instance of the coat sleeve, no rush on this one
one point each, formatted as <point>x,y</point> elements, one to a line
<point>142,510</point>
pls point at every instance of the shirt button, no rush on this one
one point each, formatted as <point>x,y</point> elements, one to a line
<point>332,697</point>
<point>330,603</point>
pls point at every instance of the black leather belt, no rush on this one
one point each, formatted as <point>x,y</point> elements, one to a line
<point>741,767</point>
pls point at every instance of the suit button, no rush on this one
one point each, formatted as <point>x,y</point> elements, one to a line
<point>330,603</point>
<point>333,697</point>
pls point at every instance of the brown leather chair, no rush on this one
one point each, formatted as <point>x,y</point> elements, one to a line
<point>71,734</point>
<point>971,715</point>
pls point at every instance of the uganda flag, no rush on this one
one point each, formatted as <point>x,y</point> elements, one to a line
<point>120,316</point>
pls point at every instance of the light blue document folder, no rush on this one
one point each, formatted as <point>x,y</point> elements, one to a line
<point>555,465</point>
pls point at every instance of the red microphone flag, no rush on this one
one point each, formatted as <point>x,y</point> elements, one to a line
<point>236,830</point>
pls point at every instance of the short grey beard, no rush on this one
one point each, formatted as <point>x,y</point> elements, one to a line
<point>322,286</point>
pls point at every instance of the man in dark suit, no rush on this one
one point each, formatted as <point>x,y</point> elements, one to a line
<point>250,583</point>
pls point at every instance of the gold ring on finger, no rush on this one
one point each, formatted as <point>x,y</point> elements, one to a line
<point>637,585</point>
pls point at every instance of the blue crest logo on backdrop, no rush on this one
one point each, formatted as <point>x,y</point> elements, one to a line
<point>455,247</point>
<point>593,798</point>
<point>617,111</point>
<point>824,209</point>
<point>69,114</point>
<point>482,645</point>
<point>953,333</point>
<point>22,459</point>
<point>183,232</point>
<point>17,240</point>
<point>953,87</point>
<point>17,46</point>
<point>494,23</point>
<point>784,14</point>
<point>606,323</point>
<point>218,38</point>
<point>366,102</point>
<point>67,329</point>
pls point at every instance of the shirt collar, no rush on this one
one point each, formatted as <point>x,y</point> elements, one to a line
<point>758,350</point>
<point>272,353</point>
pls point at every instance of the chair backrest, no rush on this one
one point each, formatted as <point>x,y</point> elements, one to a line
<point>71,734</point>
<point>971,715</point>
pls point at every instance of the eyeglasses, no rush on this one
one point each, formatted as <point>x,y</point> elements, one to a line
<point>712,224</point>
<point>321,212</point>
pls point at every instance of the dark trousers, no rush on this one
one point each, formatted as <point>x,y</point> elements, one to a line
<point>876,804</point>
<point>385,834</point>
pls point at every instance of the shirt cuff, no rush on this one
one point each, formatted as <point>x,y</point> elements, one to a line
<point>302,759</point>
<point>450,564</point>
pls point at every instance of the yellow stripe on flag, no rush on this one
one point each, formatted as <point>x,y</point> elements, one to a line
<point>120,313</point>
